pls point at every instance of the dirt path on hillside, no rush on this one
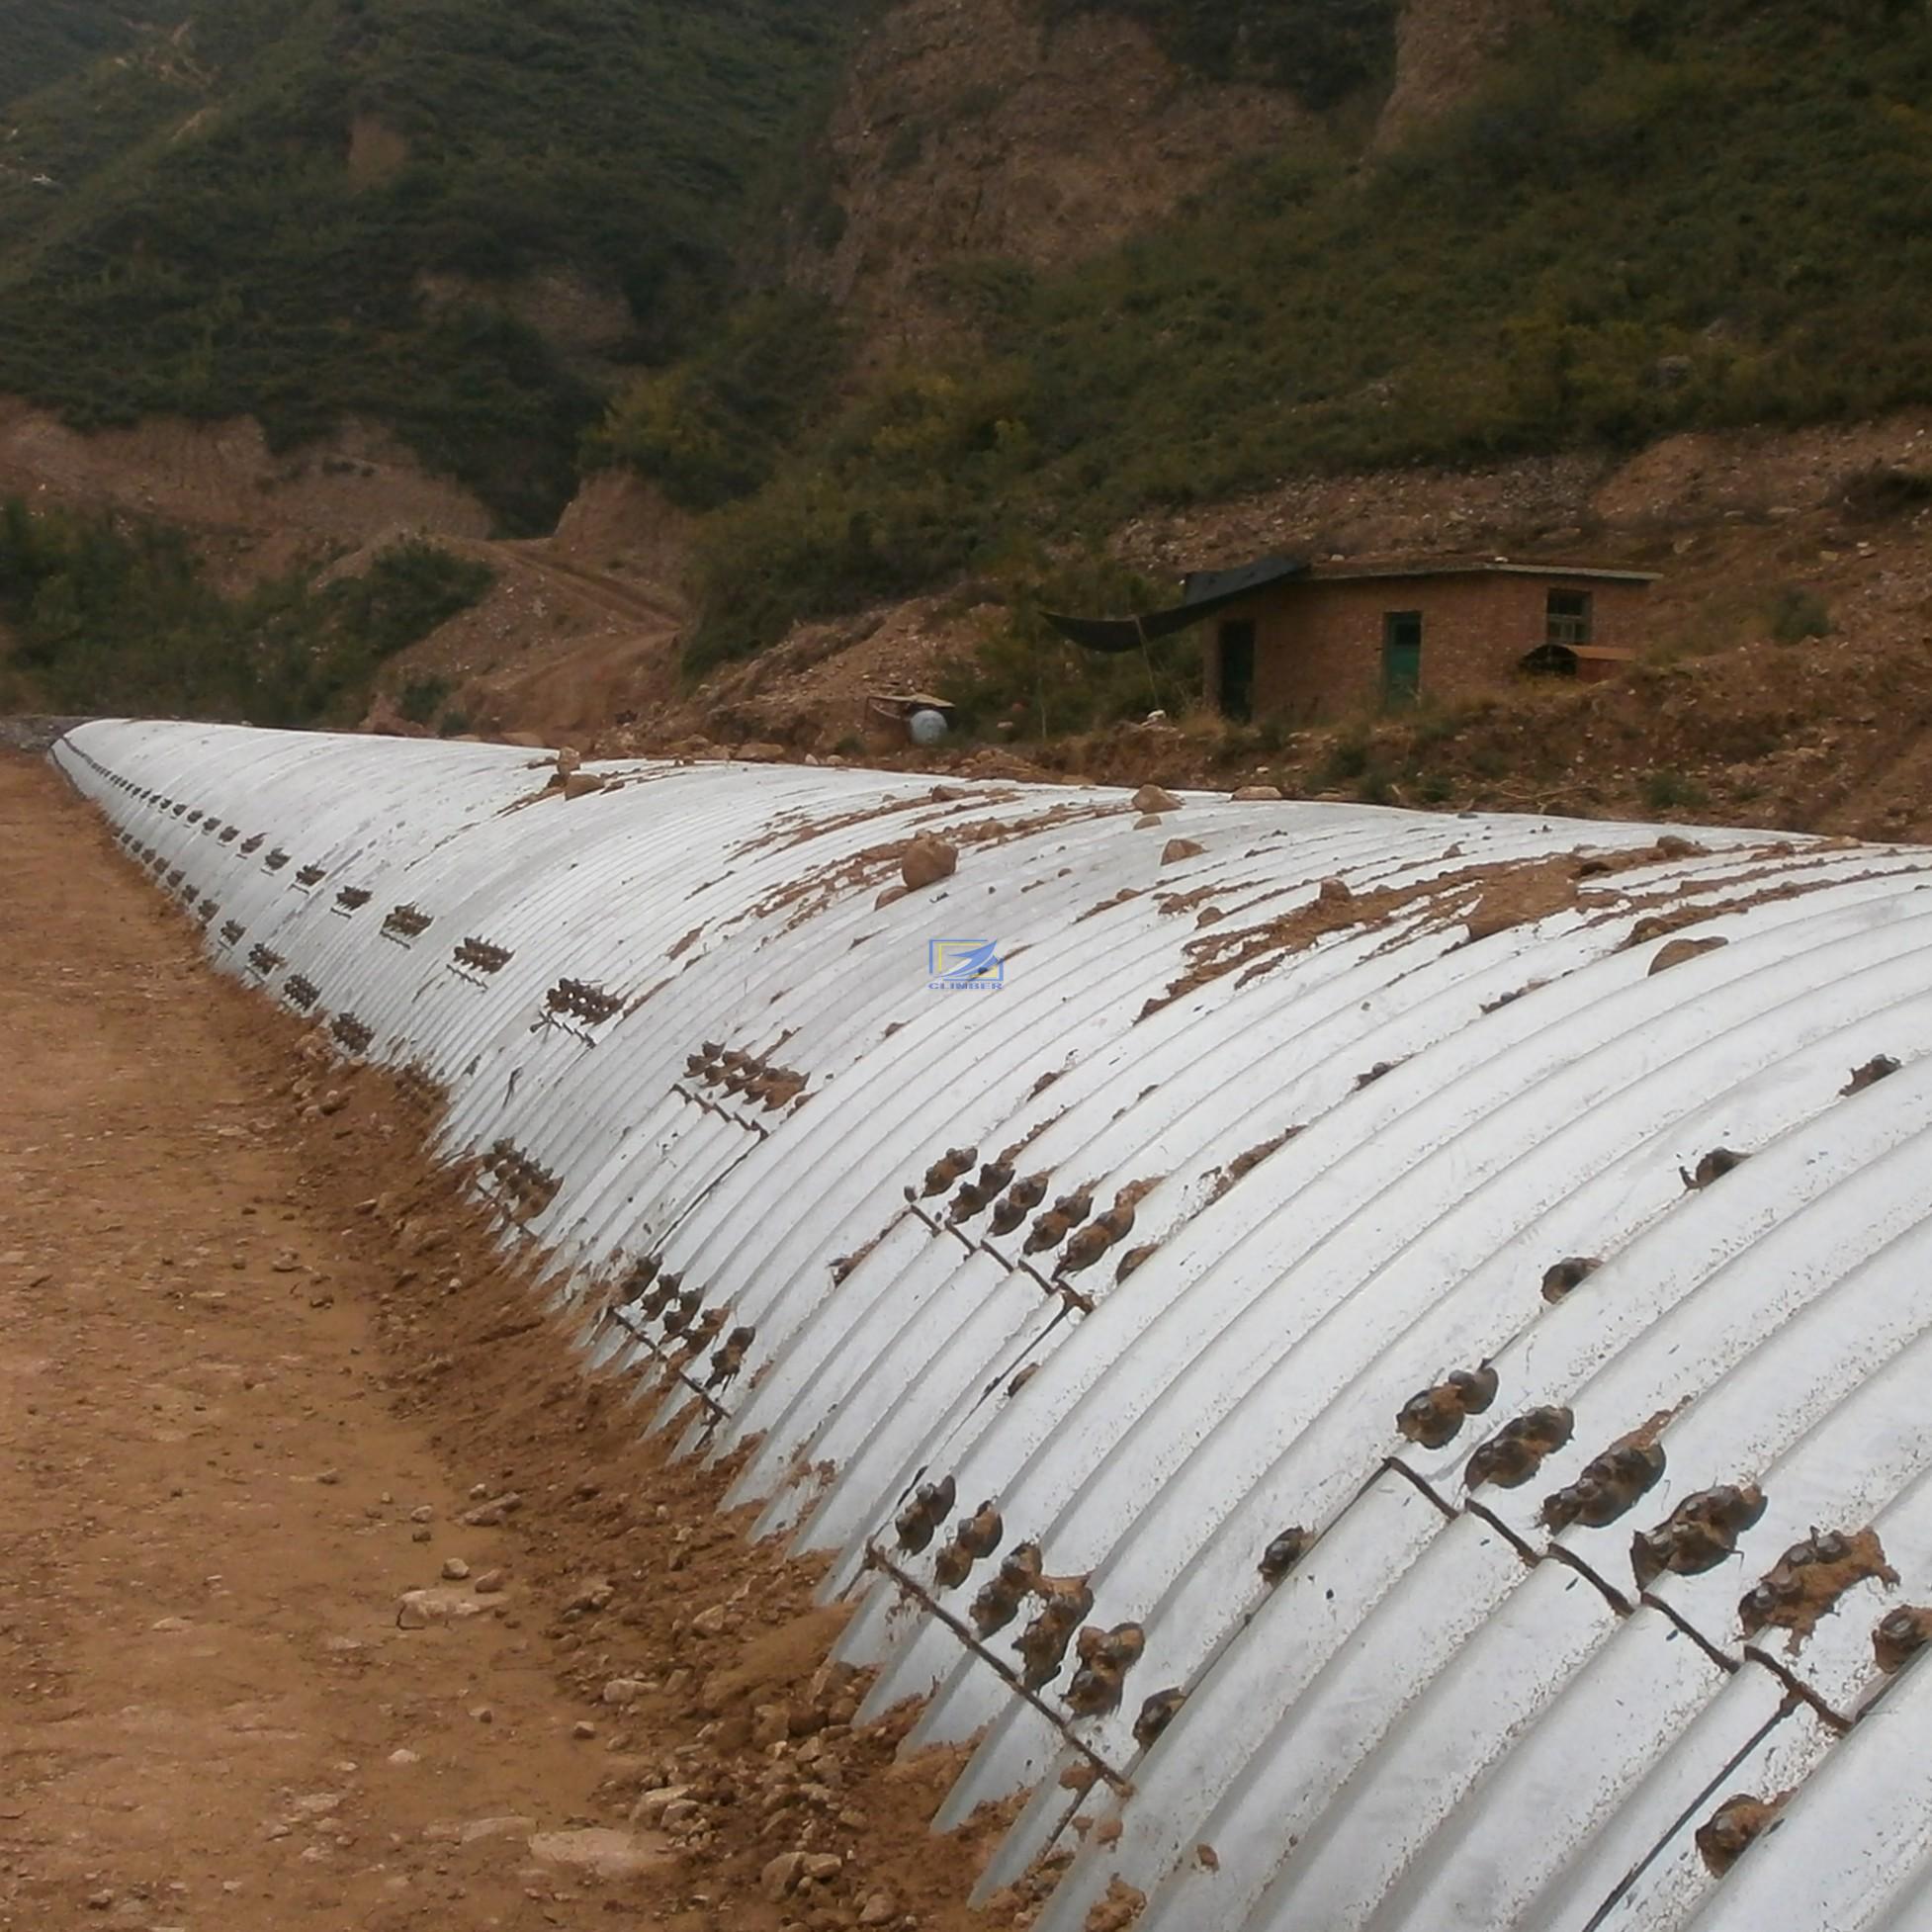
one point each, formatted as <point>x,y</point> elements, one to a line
<point>257,1365</point>
<point>653,613</point>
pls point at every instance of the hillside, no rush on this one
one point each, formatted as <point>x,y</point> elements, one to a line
<point>46,44</point>
<point>1642,220</point>
<point>457,217</point>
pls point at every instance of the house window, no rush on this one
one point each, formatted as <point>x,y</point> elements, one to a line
<point>1568,619</point>
<point>1401,657</point>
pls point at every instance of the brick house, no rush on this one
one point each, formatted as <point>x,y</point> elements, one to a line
<point>1308,645</point>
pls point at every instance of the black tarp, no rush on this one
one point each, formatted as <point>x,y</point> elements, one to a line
<point>1202,593</point>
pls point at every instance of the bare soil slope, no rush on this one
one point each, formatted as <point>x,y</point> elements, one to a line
<point>258,510</point>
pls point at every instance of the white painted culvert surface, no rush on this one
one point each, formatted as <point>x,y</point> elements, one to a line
<point>1296,1664</point>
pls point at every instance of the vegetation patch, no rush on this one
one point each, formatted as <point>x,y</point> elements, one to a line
<point>1322,50</point>
<point>1798,614</point>
<point>46,44</point>
<point>421,698</point>
<point>1887,491</point>
<point>1671,791</point>
<point>714,427</point>
<point>198,200</point>
<point>111,616</point>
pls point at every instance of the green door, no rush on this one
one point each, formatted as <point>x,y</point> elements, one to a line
<point>1401,657</point>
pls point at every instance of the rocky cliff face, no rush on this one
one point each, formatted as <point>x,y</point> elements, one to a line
<point>970,129</point>
<point>977,132</point>
<point>1441,49</point>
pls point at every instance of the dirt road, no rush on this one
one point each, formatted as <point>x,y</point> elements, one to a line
<point>256,1366</point>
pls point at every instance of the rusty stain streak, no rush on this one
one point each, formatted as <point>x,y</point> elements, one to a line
<point>1245,1164</point>
<point>801,897</point>
<point>1806,1583</point>
<point>582,1001</point>
<point>1120,898</point>
<point>1489,899</point>
<point>528,1187</point>
<point>636,1333</point>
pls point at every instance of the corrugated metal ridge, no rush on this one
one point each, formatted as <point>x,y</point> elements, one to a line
<point>1510,1322</point>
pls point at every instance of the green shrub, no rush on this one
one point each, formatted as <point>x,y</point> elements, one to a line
<point>1025,673</point>
<point>421,697</point>
<point>988,293</point>
<point>407,592</point>
<point>712,428</point>
<point>978,99</point>
<point>904,149</point>
<point>46,44</point>
<point>1796,614</point>
<point>1883,491</point>
<point>1434,722</point>
<point>1323,51</point>
<point>1670,791</point>
<point>1348,759</point>
<point>912,487</point>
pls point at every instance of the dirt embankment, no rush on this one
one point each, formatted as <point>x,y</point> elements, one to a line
<point>971,133</point>
<point>34,734</point>
<point>258,511</point>
<point>579,632</point>
<point>263,1378</point>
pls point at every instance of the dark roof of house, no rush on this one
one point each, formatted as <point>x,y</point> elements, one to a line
<point>1476,567</point>
<point>1202,592</point>
<point>1218,586</point>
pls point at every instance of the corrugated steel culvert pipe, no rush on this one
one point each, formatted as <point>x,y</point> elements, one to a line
<point>1376,1405</point>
